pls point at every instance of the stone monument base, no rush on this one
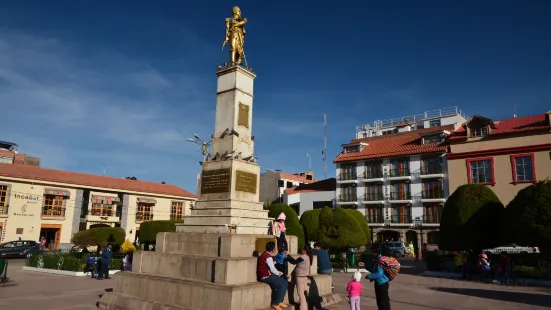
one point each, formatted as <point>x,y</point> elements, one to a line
<point>195,271</point>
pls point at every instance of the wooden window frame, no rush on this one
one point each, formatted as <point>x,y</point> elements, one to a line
<point>4,205</point>
<point>374,212</point>
<point>53,210</point>
<point>437,187</point>
<point>432,207</point>
<point>175,212</point>
<point>469,175</point>
<point>431,165</point>
<point>514,168</point>
<point>146,216</point>
<point>102,208</point>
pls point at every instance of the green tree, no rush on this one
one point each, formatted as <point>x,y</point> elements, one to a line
<point>528,217</point>
<point>360,218</point>
<point>310,221</point>
<point>99,236</point>
<point>340,230</point>
<point>149,230</point>
<point>292,223</point>
<point>471,219</point>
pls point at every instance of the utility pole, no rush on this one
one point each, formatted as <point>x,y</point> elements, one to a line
<point>325,146</point>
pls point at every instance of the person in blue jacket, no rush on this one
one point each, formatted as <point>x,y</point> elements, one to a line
<point>381,283</point>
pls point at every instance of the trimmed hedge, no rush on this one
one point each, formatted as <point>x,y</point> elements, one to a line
<point>149,230</point>
<point>71,261</point>
<point>360,218</point>
<point>99,236</point>
<point>292,223</point>
<point>310,221</point>
<point>340,230</point>
<point>471,219</point>
<point>528,217</point>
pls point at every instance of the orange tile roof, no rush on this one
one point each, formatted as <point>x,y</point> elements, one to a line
<point>298,178</point>
<point>510,125</point>
<point>82,179</point>
<point>400,144</point>
<point>7,153</point>
<point>318,186</point>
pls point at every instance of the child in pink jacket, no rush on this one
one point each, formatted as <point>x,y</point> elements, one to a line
<point>354,290</point>
<point>279,231</point>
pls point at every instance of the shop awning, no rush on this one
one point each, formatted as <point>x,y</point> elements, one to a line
<point>146,200</point>
<point>57,192</point>
<point>106,200</point>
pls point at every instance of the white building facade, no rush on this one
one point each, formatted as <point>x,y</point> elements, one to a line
<point>311,196</point>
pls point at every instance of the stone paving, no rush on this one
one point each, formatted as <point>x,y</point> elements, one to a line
<point>411,290</point>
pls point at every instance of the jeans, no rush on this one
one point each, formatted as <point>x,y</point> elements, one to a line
<point>355,303</point>
<point>381,295</point>
<point>278,286</point>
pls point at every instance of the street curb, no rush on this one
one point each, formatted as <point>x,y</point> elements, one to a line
<point>62,272</point>
<point>522,281</point>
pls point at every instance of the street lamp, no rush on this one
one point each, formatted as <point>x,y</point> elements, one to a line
<point>204,145</point>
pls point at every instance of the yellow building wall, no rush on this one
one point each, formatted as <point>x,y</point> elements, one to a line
<point>484,144</point>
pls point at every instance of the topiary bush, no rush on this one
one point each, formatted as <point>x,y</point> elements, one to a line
<point>340,230</point>
<point>528,217</point>
<point>471,219</point>
<point>310,221</point>
<point>149,230</point>
<point>292,223</point>
<point>360,218</point>
<point>99,236</point>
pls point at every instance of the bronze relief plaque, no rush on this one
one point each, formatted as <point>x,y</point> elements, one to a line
<point>215,181</point>
<point>245,181</point>
<point>243,115</point>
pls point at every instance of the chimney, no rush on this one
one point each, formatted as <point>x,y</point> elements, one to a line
<point>548,117</point>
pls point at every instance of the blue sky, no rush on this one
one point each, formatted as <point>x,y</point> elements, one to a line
<point>118,86</point>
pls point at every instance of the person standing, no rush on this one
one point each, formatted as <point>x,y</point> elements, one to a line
<point>354,290</point>
<point>106,259</point>
<point>267,273</point>
<point>381,283</point>
<point>302,271</point>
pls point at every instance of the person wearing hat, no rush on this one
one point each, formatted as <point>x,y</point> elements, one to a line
<point>279,231</point>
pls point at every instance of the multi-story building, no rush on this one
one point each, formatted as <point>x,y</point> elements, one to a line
<point>36,202</point>
<point>398,176</point>
<point>273,184</point>
<point>507,155</point>
<point>316,195</point>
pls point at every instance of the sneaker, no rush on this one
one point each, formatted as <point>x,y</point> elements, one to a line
<point>275,307</point>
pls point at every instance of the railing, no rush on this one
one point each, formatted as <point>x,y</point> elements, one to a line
<point>413,118</point>
<point>401,219</point>
<point>347,177</point>
<point>432,169</point>
<point>347,198</point>
<point>57,212</point>
<point>4,210</point>
<point>377,174</point>
<point>373,197</point>
<point>375,219</point>
<point>400,172</point>
<point>400,196</point>
<point>432,194</point>
<point>431,219</point>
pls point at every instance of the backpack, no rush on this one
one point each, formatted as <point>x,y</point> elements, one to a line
<point>390,265</point>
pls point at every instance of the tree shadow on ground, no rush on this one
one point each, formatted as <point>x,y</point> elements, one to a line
<point>517,297</point>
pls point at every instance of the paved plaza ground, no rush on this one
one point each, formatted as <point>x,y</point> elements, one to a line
<point>411,290</point>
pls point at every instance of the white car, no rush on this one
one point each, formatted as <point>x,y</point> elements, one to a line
<point>513,249</point>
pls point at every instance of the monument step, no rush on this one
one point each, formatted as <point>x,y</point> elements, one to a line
<point>226,220</point>
<point>230,212</point>
<point>223,229</point>
<point>229,203</point>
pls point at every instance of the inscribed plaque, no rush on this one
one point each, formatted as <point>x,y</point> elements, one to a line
<point>245,181</point>
<point>243,115</point>
<point>215,181</point>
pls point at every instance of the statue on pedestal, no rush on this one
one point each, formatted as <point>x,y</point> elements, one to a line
<point>235,36</point>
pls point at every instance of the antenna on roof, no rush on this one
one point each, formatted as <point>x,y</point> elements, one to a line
<point>325,146</point>
<point>515,108</point>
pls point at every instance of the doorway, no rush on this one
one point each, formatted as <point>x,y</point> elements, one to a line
<point>52,234</point>
<point>411,236</point>
<point>388,235</point>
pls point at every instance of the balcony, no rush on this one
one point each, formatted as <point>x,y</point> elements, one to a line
<point>399,174</point>
<point>432,171</point>
<point>102,216</point>
<point>373,176</point>
<point>347,199</point>
<point>375,219</point>
<point>433,195</point>
<point>431,219</point>
<point>398,197</point>
<point>347,178</point>
<point>401,219</point>
<point>53,213</point>
<point>373,198</point>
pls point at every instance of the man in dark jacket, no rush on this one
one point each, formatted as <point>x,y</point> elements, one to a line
<point>106,259</point>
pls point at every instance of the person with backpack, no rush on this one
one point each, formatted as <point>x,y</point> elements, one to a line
<point>381,278</point>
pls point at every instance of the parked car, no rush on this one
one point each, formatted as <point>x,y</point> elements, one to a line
<point>513,249</point>
<point>19,249</point>
<point>397,248</point>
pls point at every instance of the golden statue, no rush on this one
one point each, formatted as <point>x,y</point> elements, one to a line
<point>235,35</point>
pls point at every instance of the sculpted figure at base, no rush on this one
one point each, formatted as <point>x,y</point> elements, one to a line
<point>235,36</point>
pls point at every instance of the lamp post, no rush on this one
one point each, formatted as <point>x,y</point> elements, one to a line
<point>419,224</point>
<point>204,145</point>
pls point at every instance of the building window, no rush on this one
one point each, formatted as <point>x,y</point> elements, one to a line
<point>387,132</point>
<point>322,204</point>
<point>481,170</point>
<point>479,132</point>
<point>54,205</point>
<point>289,184</point>
<point>399,168</point>
<point>401,214</point>
<point>374,214</point>
<point>348,194</point>
<point>352,149</point>
<point>433,189</point>
<point>99,209</point>
<point>432,213</point>
<point>374,192</point>
<point>6,160</point>
<point>524,168</point>
<point>432,139</point>
<point>280,183</point>
<point>435,123</point>
<point>4,194</point>
<point>177,210</point>
<point>348,173</point>
<point>144,212</point>
<point>431,165</point>
<point>373,171</point>
<point>400,191</point>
